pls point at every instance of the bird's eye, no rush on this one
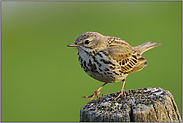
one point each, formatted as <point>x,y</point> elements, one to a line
<point>87,42</point>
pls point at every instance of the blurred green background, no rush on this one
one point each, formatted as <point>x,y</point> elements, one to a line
<point>41,76</point>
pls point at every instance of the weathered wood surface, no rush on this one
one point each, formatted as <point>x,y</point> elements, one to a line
<point>141,105</point>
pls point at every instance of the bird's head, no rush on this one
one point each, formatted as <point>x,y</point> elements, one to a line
<point>89,41</point>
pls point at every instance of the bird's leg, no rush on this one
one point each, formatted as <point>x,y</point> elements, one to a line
<point>95,93</point>
<point>121,92</point>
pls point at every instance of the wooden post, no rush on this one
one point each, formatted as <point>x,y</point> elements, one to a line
<point>141,105</point>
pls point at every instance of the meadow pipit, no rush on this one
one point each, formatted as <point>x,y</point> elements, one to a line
<point>109,59</point>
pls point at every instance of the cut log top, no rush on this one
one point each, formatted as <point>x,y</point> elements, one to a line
<point>141,105</point>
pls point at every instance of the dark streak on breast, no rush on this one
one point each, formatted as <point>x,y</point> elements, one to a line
<point>94,59</point>
<point>106,62</point>
<point>104,53</point>
<point>99,55</point>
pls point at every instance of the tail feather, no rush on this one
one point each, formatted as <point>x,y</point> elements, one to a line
<point>144,47</point>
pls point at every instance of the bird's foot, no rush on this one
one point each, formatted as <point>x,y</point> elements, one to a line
<point>120,94</point>
<point>93,95</point>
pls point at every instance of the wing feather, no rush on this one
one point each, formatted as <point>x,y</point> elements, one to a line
<point>127,58</point>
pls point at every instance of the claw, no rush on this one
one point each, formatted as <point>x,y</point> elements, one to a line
<point>87,96</point>
<point>97,92</point>
<point>93,95</point>
<point>100,93</point>
<point>120,94</point>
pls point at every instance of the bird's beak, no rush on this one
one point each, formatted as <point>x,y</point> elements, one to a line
<point>72,45</point>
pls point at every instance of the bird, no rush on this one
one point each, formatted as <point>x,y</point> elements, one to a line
<point>109,59</point>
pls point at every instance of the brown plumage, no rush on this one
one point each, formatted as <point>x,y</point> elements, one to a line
<point>109,59</point>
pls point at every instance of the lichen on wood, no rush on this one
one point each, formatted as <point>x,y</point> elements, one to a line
<point>140,105</point>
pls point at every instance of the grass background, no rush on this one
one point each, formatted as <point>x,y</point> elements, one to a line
<point>41,77</point>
